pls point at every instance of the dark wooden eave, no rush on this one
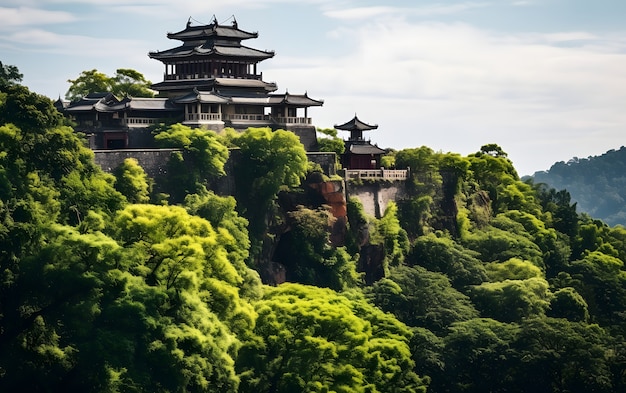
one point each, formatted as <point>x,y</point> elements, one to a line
<point>212,30</point>
<point>355,125</point>
<point>205,50</point>
<point>299,100</point>
<point>234,84</point>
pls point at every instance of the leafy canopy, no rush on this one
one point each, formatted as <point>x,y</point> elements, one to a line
<point>125,82</point>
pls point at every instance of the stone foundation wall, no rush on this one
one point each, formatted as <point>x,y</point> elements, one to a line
<point>153,161</point>
<point>376,195</point>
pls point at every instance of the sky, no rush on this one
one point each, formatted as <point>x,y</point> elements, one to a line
<point>543,79</point>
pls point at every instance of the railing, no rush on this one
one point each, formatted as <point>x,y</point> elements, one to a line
<point>376,174</point>
<point>293,120</point>
<point>174,77</point>
<point>139,121</point>
<point>203,117</point>
<point>248,117</point>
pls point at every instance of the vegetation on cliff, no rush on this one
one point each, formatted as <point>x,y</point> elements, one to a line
<point>477,281</point>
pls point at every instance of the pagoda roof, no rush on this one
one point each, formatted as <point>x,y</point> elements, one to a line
<point>212,40</point>
<point>99,102</point>
<point>207,84</point>
<point>204,97</point>
<point>214,97</point>
<point>301,100</point>
<point>211,49</point>
<point>107,102</point>
<point>144,104</point>
<point>365,148</point>
<point>356,125</point>
<point>212,30</point>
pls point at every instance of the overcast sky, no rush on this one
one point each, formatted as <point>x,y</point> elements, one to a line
<point>544,79</point>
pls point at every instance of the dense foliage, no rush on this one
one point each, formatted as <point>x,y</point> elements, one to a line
<point>597,184</point>
<point>125,82</point>
<point>484,282</point>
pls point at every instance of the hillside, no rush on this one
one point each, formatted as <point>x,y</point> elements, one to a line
<point>473,281</point>
<point>597,184</point>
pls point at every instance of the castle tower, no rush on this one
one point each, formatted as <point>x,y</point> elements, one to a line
<point>359,153</point>
<point>216,78</point>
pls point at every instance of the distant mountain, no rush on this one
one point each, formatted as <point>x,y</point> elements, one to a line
<point>597,183</point>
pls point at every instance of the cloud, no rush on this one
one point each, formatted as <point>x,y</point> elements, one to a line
<point>454,87</point>
<point>361,12</point>
<point>24,16</point>
<point>422,11</point>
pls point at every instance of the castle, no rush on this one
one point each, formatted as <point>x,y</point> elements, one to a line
<point>211,80</point>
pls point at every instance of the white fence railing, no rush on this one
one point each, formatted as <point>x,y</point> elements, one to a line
<point>203,116</point>
<point>248,117</point>
<point>376,174</point>
<point>293,120</point>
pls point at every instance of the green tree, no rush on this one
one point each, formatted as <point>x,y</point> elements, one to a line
<point>267,160</point>
<point>511,300</point>
<point>201,161</point>
<point>128,82</point>
<point>28,111</point>
<point>492,170</point>
<point>421,298</point>
<point>559,204</point>
<point>512,269</point>
<point>423,164</point>
<point>479,356</point>
<point>601,281</point>
<point>91,81</point>
<point>567,303</point>
<point>156,309</point>
<point>508,240</point>
<point>309,256</point>
<point>389,233</point>
<point>314,339</point>
<point>9,75</point>
<point>563,356</point>
<point>132,181</point>
<point>125,82</point>
<point>330,142</point>
<point>444,255</point>
<point>38,152</point>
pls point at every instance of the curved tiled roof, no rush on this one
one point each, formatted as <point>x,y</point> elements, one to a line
<point>365,148</point>
<point>212,30</point>
<point>204,97</point>
<point>210,83</point>
<point>212,40</point>
<point>145,104</point>
<point>356,125</point>
<point>212,50</point>
<point>295,99</point>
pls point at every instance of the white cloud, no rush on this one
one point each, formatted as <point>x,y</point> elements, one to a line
<point>382,11</point>
<point>24,16</point>
<point>361,12</point>
<point>455,87</point>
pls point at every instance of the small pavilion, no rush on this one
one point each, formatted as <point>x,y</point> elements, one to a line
<point>359,153</point>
